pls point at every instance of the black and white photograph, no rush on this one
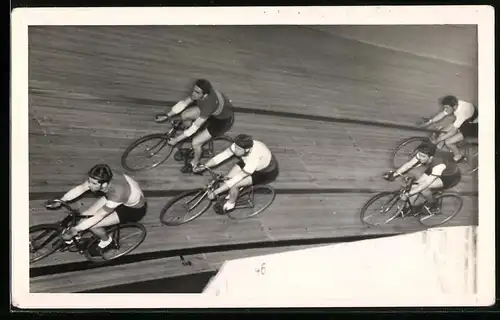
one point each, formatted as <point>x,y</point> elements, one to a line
<point>326,158</point>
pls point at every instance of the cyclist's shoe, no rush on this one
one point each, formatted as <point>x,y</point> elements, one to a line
<point>219,208</point>
<point>187,168</point>
<point>197,169</point>
<point>96,251</point>
<point>180,154</point>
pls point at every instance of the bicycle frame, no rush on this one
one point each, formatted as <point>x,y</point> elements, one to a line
<point>409,181</point>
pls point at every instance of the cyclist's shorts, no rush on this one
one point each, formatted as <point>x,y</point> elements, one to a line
<point>469,130</point>
<point>452,180</point>
<point>264,176</point>
<point>218,127</point>
<point>128,214</point>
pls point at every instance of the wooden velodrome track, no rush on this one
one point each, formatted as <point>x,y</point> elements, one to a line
<point>329,107</point>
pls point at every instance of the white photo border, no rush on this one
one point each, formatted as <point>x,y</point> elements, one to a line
<point>482,16</point>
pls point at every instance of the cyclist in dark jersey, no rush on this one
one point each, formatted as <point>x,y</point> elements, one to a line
<point>123,201</point>
<point>212,117</point>
<point>433,169</point>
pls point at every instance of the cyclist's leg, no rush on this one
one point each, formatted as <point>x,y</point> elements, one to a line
<point>198,141</point>
<point>451,144</point>
<point>122,214</point>
<point>189,115</point>
<point>110,220</point>
<point>416,199</point>
<point>428,193</point>
<point>234,192</point>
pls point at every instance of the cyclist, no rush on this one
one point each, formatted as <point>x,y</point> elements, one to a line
<point>465,124</point>
<point>214,112</point>
<point>257,165</point>
<point>433,169</point>
<point>123,201</point>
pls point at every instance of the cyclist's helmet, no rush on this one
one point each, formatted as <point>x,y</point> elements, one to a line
<point>204,85</point>
<point>244,141</point>
<point>449,101</point>
<point>427,148</point>
<point>101,172</point>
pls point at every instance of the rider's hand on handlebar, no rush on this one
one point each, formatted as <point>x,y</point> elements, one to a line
<point>161,117</point>
<point>422,121</point>
<point>211,195</point>
<point>51,204</point>
<point>389,176</point>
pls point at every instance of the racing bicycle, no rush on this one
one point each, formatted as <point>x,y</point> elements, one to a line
<point>47,237</point>
<point>191,204</point>
<point>155,147</point>
<point>388,206</point>
<point>406,149</point>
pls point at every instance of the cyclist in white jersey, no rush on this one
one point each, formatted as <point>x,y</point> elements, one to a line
<point>257,165</point>
<point>123,201</point>
<point>465,124</point>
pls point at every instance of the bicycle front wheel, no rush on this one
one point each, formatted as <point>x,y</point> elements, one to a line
<point>127,237</point>
<point>384,206</point>
<point>185,207</point>
<point>404,151</point>
<point>44,238</point>
<point>449,205</point>
<point>252,201</point>
<point>151,151</point>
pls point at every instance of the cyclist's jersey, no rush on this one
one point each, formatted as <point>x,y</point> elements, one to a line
<point>465,112</point>
<point>124,191</point>
<point>216,105</point>
<point>442,165</point>
<point>259,158</point>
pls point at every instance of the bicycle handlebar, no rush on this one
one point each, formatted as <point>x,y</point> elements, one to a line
<point>63,203</point>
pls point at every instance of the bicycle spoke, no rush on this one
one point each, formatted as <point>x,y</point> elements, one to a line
<point>385,207</point>
<point>252,201</point>
<point>449,206</point>
<point>185,207</point>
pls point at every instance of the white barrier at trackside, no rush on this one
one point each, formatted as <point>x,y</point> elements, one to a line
<point>422,264</point>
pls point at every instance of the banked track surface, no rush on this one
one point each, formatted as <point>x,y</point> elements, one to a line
<point>95,89</point>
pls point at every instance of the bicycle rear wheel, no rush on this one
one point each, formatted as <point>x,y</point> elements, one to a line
<point>47,236</point>
<point>385,205</point>
<point>472,158</point>
<point>216,145</point>
<point>405,150</point>
<point>128,235</point>
<point>148,146</point>
<point>446,202</point>
<point>247,205</point>
<point>177,211</point>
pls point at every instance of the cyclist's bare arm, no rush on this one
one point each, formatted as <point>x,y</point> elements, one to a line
<point>450,130</point>
<point>405,167</point>
<point>101,213</point>
<point>76,192</point>
<point>249,168</point>
<point>179,107</point>
<point>437,118</point>
<point>195,126</point>
<point>221,157</point>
